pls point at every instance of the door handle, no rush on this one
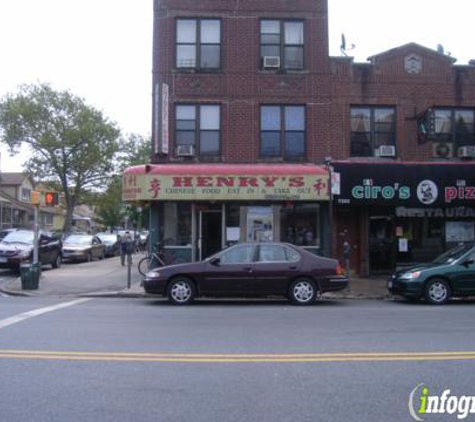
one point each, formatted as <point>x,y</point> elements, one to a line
<point>293,267</point>
<point>248,269</point>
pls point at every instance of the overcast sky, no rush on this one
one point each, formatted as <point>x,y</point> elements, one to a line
<point>101,50</point>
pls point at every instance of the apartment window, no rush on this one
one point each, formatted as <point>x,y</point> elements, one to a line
<point>283,131</point>
<point>26,194</point>
<point>454,125</point>
<point>282,44</point>
<point>48,220</point>
<point>198,43</point>
<point>198,126</point>
<point>373,131</point>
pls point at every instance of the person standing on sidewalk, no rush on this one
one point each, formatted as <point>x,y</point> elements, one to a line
<point>125,239</point>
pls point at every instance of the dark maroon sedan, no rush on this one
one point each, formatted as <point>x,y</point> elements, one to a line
<point>266,269</point>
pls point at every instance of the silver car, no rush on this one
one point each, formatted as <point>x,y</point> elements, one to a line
<point>83,247</point>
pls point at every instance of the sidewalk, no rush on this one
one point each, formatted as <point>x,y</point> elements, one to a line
<point>111,280</point>
<point>98,278</point>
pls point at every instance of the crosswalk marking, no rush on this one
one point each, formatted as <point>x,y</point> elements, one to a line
<point>36,312</point>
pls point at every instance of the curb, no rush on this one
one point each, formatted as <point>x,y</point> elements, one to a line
<point>125,294</point>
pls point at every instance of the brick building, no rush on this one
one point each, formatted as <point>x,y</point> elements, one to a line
<point>248,108</point>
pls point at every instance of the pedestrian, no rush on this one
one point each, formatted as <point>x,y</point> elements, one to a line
<point>124,239</point>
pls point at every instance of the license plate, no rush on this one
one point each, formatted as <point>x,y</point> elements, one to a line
<point>3,259</point>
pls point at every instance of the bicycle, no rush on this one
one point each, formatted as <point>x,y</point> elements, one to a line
<point>159,257</point>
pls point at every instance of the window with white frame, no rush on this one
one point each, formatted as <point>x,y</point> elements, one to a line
<point>283,131</point>
<point>25,194</point>
<point>282,44</point>
<point>198,126</point>
<point>455,125</point>
<point>198,43</point>
<point>48,220</point>
<point>371,129</point>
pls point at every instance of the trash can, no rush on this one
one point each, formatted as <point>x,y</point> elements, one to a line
<point>30,276</point>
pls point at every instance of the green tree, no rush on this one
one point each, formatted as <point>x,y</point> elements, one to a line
<point>134,150</point>
<point>110,209</point>
<point>73,145</point>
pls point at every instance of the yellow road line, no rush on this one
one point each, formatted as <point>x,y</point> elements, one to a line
<point>237,358</point>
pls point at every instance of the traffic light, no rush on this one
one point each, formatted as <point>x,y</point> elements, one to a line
<point>51,199</point>
<point>35,197</point>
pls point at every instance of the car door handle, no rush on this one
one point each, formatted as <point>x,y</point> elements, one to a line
<point>248,269</point>
<point>293,267</point>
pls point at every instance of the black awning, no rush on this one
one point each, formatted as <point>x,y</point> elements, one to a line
<point>406,184</point>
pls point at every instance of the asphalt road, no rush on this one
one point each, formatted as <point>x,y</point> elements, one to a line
<point>145,360</point>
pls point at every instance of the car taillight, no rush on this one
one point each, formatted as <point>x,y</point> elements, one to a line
<point>339,270</point>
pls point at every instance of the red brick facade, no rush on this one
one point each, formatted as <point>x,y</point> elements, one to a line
<point>327,86</point>
<point>409,79</point>
<point>240,86</point>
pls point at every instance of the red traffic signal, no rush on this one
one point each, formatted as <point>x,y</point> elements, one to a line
<point>51,198</point>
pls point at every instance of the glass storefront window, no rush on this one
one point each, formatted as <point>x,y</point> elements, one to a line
<point>233,230</point>
<point>459,231</point>
<point>299,224</point>
<point>176,224</point>
<point>260,224</point>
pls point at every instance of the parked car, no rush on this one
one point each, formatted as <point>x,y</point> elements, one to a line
<point>267,269</point>
<point>450,274</point>
<point>17,248</point>
<point>4,232</point>
<point>111,241</point>
<point>83,247</point>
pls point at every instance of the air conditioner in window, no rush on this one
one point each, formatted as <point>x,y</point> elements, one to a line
<point>386,151</point>
<point>466,151</point>
<point>185,151</point>
<point>442,149</point>
<point>271,62</point>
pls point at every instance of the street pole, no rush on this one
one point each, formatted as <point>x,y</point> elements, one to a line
<point>328,162</point>
<point>129,269</point>
<point>35,237</point>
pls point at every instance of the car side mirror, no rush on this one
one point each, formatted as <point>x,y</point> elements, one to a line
<point>468,262</point>
<point>215,261</point>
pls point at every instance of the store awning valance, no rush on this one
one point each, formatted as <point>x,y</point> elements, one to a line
<point>227,182</point>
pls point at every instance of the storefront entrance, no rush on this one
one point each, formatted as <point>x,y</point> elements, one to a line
<point>196,210</point>
<point>381,244</point>
<point>210,232</point>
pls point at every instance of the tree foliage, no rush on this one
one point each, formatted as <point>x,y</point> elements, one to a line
<point>134,150</point>
<point>72,144</point>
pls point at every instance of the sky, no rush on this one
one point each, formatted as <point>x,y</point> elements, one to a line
<point>101,50</point>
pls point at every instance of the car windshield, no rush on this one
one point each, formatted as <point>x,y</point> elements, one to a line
<point>78,240</point>
<point>19,237</point>
<point>452,254</point>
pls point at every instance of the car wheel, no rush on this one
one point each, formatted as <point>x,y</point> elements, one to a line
<point>181,291</point>
<point>302,291</point>
<point>56,261</point>
<point>437,292</point>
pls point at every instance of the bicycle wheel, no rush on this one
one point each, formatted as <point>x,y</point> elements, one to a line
<point>144,265</point>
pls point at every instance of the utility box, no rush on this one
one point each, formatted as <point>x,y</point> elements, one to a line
<point>30,276</point>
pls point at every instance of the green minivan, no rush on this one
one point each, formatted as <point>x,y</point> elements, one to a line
<point>450,274</point>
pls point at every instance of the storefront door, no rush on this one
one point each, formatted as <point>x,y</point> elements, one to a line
<point>210,232</point>
<point>381,244</point>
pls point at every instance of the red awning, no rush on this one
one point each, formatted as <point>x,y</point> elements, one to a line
<point>227,169</point>
<point>236,182</point>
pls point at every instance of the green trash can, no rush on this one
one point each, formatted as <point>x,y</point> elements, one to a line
<point>30,276</point>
